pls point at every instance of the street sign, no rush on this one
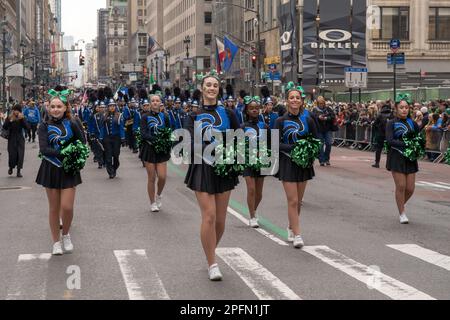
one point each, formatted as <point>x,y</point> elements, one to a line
<point>356,77</point>
<point>272,60</point>
<point>133,77</point>
<point>272,67</point>
<point>395,45</point>
<point>188,62</point>
<point>276,75</point>
<point>396,58</point>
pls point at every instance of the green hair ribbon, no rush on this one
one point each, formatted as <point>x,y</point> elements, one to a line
<point>403,97</point>
<point>250,99</point>
<point>292,87</point>
<point>62,95</point>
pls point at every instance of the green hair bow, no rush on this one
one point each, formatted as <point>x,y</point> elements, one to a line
<point>291,87</point>
<point>249,99</point>
<point>62,95</point>
<point>403,97</point>
<point>212,74</point>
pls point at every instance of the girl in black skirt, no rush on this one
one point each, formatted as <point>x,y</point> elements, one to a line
<point>253,178</point>
<point>403,170</point>
<point>212,192</point>
<point>58,129</point>
<point>293,126</point>
<point>155,163</point>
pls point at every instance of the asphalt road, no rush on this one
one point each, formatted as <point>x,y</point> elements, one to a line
<point>355,245</point>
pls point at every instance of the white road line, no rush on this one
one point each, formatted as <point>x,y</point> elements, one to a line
<point>426,255</point>
<point>260,280</point>
<point>444,183</point>
<point>29,280</point>
<point>260,230</point>
<point>374,279</point>
<point>432,185</point>
<point>141,279</point>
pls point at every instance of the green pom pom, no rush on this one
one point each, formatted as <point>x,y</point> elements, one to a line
<point>75,155</point>
<point>163,143</point>
<point>230,165</point>
<point>447,157</point>
<point>138,138</point>
<point>415,146</point>
<point>306,151</point>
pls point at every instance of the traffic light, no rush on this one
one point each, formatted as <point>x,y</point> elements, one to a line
<point>254,61</point>
<point>81,61</point>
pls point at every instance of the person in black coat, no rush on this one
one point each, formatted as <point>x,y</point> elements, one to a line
<point>16,124</point>
<point>380,131</point>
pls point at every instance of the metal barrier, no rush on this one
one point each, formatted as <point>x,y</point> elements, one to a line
<point>363,136</point>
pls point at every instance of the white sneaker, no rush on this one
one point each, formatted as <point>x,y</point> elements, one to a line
<point>214,273</point>
<point>57,249</point>
<point>404,219</point>
<point>254,223</point>
<point>291,235</point>
<point>159,202</point>
<point>298,242</point>
<point>154,208</point>
<point>67,242</point>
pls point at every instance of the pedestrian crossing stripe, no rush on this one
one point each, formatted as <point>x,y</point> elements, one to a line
<point>374,279</point>
<point>142,281</point>
<point>260,280</point>
<point>30,278</point>
<point>441,186</point>
<point>140,277</point>
<point>426,255</point>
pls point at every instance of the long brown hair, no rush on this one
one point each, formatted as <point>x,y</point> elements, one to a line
<point>68,113</point>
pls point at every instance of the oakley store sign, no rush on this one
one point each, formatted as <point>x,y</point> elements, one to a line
<point>335,39</point>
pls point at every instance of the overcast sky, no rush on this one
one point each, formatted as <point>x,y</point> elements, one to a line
<point>79,18</point>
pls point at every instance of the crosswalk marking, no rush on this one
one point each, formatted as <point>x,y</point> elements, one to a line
<point>259,230</point>
<point>140,277</point>
<point>438,185</point>
<point>260,280</point>
<point>29,280</point>
<point>388,286</point>
<point>426,255</point>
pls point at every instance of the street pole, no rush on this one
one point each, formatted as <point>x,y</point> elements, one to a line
<point>258,56</point>
<point>394,58</point>
<point>4,64</point>
<point>157,70</point>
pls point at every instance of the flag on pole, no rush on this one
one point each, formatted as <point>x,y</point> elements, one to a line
<point>152,79</point>
<point>220,54</point>
<point>230,52</point>
<point>151,45</point>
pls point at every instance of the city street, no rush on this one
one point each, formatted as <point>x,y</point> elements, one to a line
<point>355,246</point>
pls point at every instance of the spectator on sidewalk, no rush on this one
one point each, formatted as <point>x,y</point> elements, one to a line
<point>380,132</point>
<point>325,118</point>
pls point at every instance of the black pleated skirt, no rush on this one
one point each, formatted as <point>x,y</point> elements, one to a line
<point>201,178</point>
<point>52,177</point>
<point>149,155</point>
<point>291,172</point>
<point>396,162</point>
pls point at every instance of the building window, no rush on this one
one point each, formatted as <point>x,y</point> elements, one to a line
<point>249,30</point>
<point>394,24</point>
<point>439,27</point>
<point>208,17</point>
<point>208,39</point>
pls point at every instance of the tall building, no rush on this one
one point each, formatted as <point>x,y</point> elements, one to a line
<point>137,33</point>
<point>116,38</point>
<point>102,30</point>
<point>188,28</point>
<point>157,56</point>
<point>423,27</point>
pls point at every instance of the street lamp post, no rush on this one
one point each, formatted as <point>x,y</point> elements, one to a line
<point>4,63</point>
<point>167,56</point>
<point>23,46</point>
<point>157,69</point>
<point>187,42</point>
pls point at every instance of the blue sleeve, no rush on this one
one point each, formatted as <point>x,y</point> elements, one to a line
<point>137,121</point>
<point>122,128</point>
<point>126,113</point>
